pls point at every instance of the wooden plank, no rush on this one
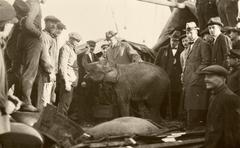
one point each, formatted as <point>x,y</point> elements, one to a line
<point>165,3</point>
<point>191,142</point>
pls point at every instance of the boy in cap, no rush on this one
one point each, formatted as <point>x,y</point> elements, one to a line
<point>221,45</point>
<point>120,52</point>
<point>68,71</point>
<point>234,77</point>
<point>168,58</point>
<point>223,118</point>
<point>198,57</point>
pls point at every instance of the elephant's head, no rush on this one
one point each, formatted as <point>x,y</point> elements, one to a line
<point>101,71</point>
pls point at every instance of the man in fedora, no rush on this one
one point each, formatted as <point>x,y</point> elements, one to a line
<point>221,44</point>
<point>198,57</point>
<point>120,52</point>
<point>223,118</point>
<point>234,77</point>
<point>168,58</point>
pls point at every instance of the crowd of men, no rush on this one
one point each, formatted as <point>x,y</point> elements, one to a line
<point>204,70</point>
<point>198,69</point>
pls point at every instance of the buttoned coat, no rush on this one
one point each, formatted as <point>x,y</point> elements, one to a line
<point>171,64</point>
<point>223,120</point>
<point>220,50</point>
<point>198,57</point>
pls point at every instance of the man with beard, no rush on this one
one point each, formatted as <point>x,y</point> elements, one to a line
<point>223,118</point>
<point>168,58</point>
<point>221,44</point>
<point>47,69</point>
<point>234,77</point>
<point>198,57</point>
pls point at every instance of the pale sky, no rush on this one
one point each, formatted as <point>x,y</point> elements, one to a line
<point>134,20</point>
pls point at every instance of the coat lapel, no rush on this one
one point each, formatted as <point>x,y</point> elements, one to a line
<point>193,47</point>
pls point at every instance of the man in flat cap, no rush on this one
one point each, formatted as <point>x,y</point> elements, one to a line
<point>68,71</point>
<point>198,57</point>
<point>120,52</point>
<point>223,118</point>
<point>234,77</point>
<point>48,68</point>
<point>168,58</point>
<point>221,44</point>
<point>30,45</point>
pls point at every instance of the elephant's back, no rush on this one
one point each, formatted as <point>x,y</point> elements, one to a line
<point>144,75</point>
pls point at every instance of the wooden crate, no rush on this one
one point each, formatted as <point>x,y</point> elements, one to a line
<point>58,127</point>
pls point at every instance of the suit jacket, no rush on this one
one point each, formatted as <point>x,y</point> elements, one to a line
<point>198,58</point>
<point>86,59</point>
<point>220,50</point>
<point>171,64</point>
<point>223,119</point>
<point>122,53</point>
<point>234,80</point>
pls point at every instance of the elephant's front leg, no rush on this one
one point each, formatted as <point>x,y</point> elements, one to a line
<point>123,103</point>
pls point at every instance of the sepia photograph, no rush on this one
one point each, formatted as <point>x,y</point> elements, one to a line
<point>120,73</point>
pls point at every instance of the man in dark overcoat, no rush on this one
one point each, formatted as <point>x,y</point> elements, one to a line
<point>198,57</point>
<point>168,58</point>
<point>223,118</point>
<point>221,44</point>
<point>234,77</point>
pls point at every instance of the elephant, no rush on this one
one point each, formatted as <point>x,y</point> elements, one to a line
<point>142,84</point>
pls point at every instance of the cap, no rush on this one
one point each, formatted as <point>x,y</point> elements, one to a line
<point>61,26</point>
<point>110,34</point>
<point>75,36</point>
<point>7,11</point>
<point>235,53</point>
<point>51,18</point>
<point>175,35</point>
<point>91,43</point>
<point>215,21</point>
<point>191,26</point>
<point>215,70</point>
<point>104,46</point>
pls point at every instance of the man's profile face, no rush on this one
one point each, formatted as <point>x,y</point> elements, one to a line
<point>233,35</point>
<point>213,81</point>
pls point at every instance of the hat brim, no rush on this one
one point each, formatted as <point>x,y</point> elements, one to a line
<point>109,37</point>
<point>210,73</point>
<point>215,23</point>
<point>193,28</point>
